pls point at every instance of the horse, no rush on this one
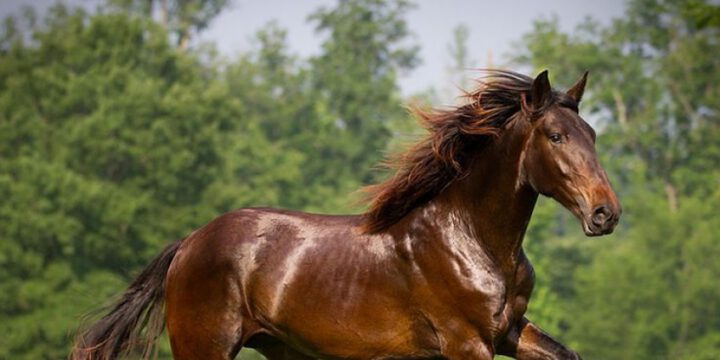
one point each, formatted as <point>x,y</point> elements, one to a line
<point>434,269</point>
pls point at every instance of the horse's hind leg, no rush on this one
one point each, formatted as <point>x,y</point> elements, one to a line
<point>202,308</point>
<point>188,344</point>
<point>199,333</point>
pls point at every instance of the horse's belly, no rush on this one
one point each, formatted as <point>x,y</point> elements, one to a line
<point>378,337</point>
<point>352,325</point>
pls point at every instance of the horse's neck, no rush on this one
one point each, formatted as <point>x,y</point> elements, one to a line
<point>491,206</point>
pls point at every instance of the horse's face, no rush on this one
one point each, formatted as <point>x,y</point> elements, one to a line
<point>560,159</point>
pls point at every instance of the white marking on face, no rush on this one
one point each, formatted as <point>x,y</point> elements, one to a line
<point>563,166</point>
<point>522,176</point>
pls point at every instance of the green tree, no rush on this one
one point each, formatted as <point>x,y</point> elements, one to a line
<point>109,144</point>
<point>364,51</point>
<point>182,18</point>
<point>284,111</point>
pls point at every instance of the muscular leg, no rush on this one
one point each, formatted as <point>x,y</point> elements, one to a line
<point>525,341</point>
<point>196,334</point>
<point>203,314</point>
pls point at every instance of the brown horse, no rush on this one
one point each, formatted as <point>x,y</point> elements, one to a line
<point>435,268</point>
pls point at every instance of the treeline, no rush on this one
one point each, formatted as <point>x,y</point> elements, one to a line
<point>119,133</point>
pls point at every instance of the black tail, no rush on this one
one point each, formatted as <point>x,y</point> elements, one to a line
<point>141,307</point>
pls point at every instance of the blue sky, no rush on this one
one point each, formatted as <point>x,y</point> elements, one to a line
<point>494,26</point>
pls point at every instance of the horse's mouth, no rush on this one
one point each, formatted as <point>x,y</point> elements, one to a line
<point>591,229</point>
<point>593,233</point>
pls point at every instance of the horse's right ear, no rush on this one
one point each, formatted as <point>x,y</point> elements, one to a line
<point>577,90</point>
<point>540,94</point>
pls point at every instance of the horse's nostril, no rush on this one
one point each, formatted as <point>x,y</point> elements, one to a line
<point>600,215</point>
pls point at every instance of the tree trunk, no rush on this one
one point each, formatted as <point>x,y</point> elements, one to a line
<point>183,39</point>
<point>149,9</point>
<point>164,13</point>
<point>671,194</point>
<point>621,109</point>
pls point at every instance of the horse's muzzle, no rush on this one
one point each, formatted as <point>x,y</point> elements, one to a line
<point>601,221</point>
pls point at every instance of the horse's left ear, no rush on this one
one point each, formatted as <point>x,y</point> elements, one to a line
<point>577,90</point>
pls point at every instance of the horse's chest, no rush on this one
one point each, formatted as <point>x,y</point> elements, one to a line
<point>481,295</point>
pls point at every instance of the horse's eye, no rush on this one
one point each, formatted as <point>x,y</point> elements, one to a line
<point>556,138</point>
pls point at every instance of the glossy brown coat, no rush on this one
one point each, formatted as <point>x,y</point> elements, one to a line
<point>434,270</point>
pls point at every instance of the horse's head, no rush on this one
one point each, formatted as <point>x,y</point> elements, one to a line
<point>560,159</point>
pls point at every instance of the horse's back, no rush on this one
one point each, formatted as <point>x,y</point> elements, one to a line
<point>242,242</point>
<point>250,237</point>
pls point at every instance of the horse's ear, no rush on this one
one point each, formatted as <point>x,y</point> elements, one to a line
<point>540,94</point>
<point>577,90</point>
<point>541,90</point>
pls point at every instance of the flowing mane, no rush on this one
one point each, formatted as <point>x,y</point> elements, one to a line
<point>442,156</point>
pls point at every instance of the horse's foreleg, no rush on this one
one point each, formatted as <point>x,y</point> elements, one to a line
<point>525,341</point>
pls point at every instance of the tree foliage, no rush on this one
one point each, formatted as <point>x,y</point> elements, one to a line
<point>116,137</point>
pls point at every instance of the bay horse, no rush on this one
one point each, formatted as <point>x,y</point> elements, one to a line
<point>434,269</point>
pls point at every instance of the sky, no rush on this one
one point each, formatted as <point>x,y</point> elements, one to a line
<point>494,26</point>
